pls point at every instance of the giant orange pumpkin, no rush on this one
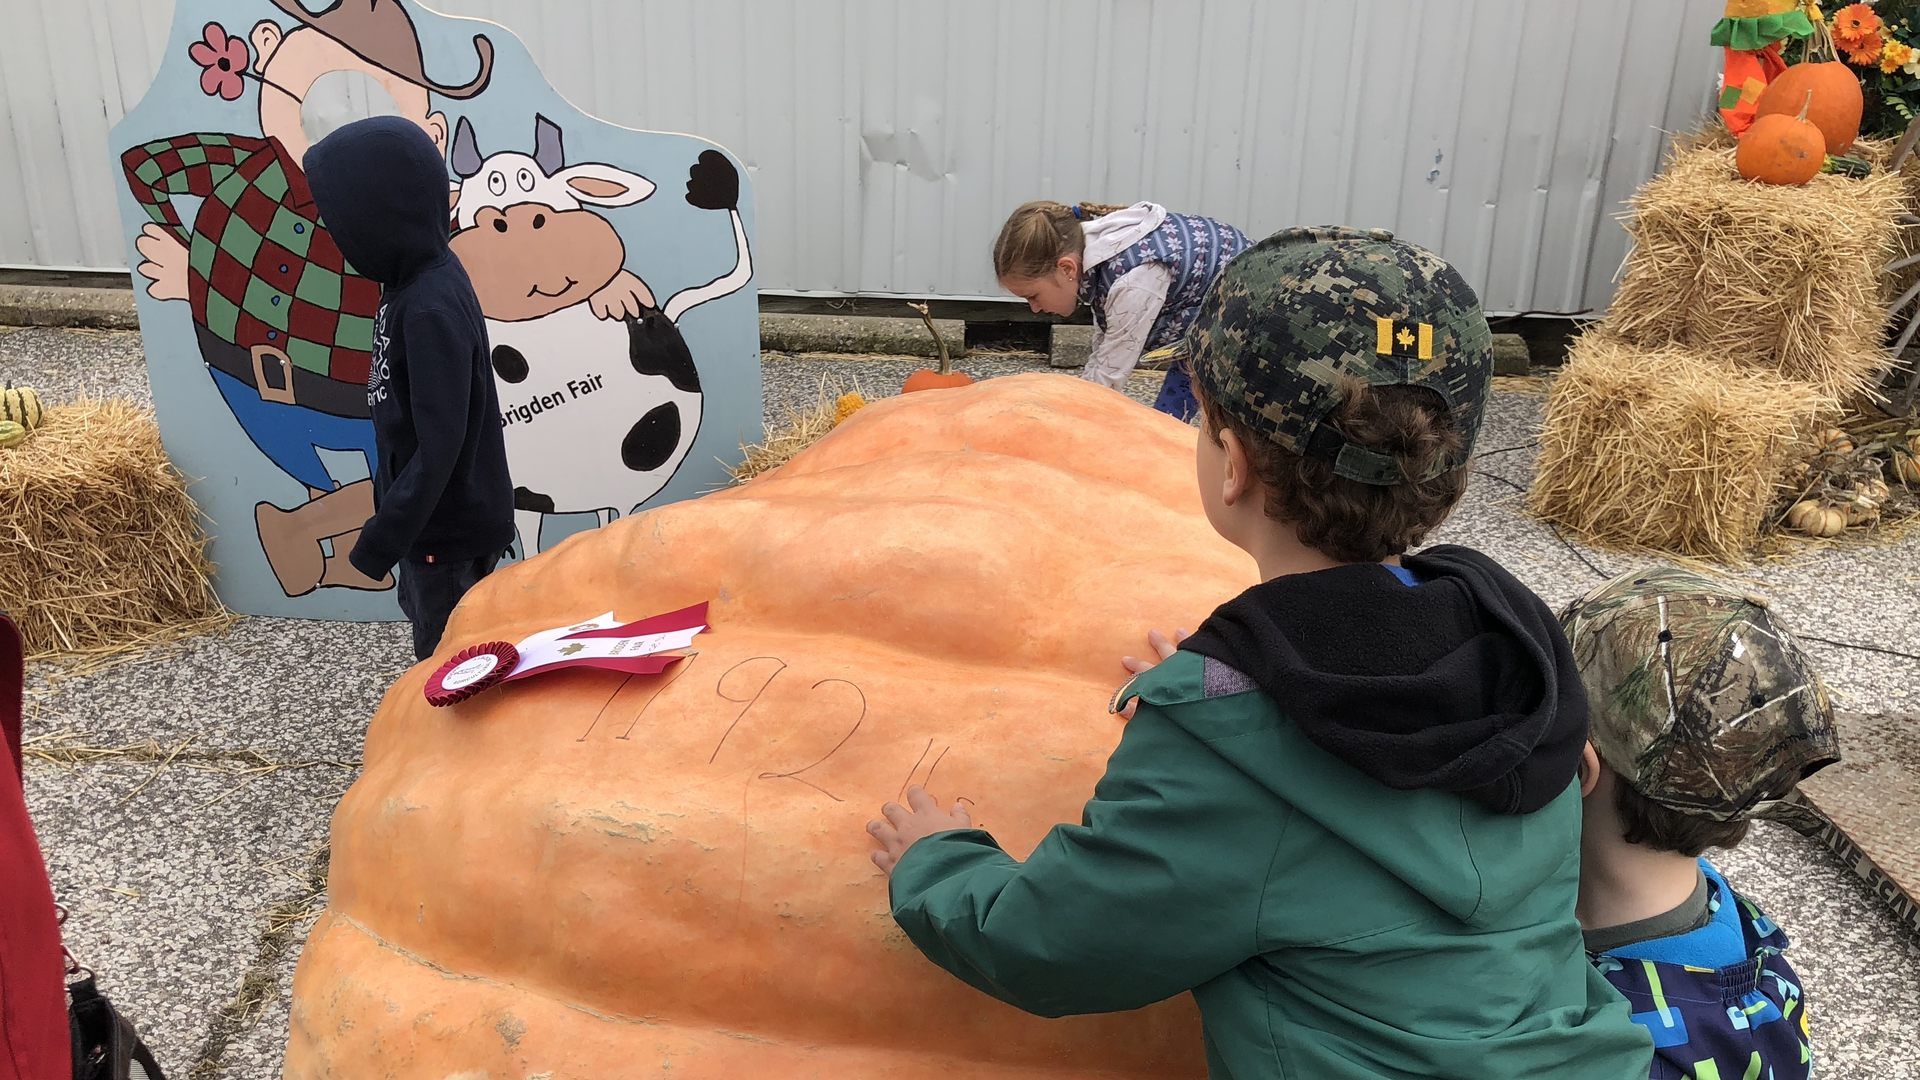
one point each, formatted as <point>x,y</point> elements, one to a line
<point>1835,105</point>
<point>577,877</point>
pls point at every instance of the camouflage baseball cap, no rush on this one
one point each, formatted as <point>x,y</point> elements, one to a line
<point>1294,313</point>
<point>1699,699</point>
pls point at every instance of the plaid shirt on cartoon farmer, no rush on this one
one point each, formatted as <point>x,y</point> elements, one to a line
<point>284,324</point>
<point>263,277</point>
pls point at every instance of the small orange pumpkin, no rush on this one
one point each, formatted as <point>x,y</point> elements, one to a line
<point>1781,149</point>
<point>576,877</point>
<point>1835,105</point>
<point>928,379</point>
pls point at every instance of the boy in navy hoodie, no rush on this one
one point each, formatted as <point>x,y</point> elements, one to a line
<point>443,503</point>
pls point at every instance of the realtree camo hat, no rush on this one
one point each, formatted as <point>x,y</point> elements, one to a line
<point>1297,311</point>
<point>1698,698</point>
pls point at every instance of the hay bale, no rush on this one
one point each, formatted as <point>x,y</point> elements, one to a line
<point>1664,449</point>
<point>803,426</point>
<point>1780,279</point>
<point>101,548</point>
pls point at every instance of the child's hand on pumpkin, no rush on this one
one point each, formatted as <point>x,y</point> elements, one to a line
<point>902,826</point>
<point>1162,645</point>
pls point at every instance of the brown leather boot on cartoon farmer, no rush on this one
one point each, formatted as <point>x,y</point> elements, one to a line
<point>292,540</point>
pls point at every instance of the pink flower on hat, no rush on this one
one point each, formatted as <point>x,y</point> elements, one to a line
<point>223,62</point>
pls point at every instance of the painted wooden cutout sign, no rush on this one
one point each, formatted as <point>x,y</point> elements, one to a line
<point>614,267</point>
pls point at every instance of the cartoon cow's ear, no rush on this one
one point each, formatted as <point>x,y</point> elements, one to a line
<point>547,151</point>
<point>466,151</point>
<point>604,185</point>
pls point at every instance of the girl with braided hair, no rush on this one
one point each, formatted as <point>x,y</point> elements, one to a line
<point>1141,270</point>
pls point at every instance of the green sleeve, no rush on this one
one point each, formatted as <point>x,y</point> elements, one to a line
<point>1157,892</point>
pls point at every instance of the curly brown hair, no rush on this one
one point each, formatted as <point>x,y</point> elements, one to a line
<point>1346,519</point>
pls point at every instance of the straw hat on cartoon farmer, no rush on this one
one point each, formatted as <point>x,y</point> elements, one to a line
<point>381,33</point>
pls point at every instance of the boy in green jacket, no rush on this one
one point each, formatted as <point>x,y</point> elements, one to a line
<point>1344,813</point>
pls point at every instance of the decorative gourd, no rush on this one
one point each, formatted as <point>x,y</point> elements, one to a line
<point>1906,461</point>
<point>846,405</point>
<point>21,405</point>
<point>1863,507</point>
<point>1831,94</point>
<point>926,379</point>
<point>1816,519</point>
<point>11,434</point>
<point>1835,441</point>
<point>1780,149</point>
<point>581,877</point>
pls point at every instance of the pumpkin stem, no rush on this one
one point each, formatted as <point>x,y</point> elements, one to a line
<point>1805,105</point>
<point>946,366</point>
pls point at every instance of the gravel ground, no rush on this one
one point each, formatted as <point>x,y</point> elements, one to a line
<point>193,870</point>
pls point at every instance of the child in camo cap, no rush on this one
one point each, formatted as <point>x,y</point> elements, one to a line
<point>1343,814</point>
<point>1705,714</point>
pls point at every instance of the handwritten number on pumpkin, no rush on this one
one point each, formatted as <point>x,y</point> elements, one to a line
<point>683,666</point>
<point>795,774</point>
<point>720,689</point>
<point>921,760</point>
<point>604,708</point>
<point>928,782</point>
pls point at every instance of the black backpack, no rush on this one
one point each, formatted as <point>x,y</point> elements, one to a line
<point>105,1045</point>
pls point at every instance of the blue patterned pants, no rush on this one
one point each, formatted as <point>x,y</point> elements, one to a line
<point>1176,393</point>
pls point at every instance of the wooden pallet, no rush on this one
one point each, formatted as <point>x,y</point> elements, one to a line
<point>1867,807</point>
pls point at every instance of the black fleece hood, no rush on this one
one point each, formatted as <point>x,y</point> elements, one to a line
<point>1464,683</point>
<point>382,190</point>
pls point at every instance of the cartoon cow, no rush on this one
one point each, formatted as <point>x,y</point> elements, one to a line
<point>599,394</point>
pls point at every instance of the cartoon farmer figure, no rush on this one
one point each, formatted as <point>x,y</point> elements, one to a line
<point>285,326</point>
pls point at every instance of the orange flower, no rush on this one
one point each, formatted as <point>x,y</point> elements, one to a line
<point>1853,25</point>
<point>1866,53</point>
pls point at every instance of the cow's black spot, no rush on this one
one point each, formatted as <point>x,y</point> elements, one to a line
<point>655,347</point>
<point>532,500</point>
<point>509,364</point>
<point>651,441</point>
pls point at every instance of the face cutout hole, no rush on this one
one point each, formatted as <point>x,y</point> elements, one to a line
<point>338,98</point>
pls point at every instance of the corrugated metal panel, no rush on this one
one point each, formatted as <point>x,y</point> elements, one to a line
<point>888,138</point>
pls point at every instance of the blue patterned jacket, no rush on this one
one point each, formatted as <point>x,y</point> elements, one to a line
<point>1721,1002</point>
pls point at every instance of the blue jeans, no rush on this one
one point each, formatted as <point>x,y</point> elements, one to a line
<point>287,434</point>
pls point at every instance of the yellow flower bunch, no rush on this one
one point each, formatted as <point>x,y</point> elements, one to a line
<point>1895,55</point>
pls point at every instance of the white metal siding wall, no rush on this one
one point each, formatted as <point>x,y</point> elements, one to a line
<point>888,138</point>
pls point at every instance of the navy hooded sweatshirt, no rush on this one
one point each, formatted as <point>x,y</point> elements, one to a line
<point>441,490</point>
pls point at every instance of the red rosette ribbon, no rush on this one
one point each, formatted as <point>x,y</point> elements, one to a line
<point>470,671</point>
